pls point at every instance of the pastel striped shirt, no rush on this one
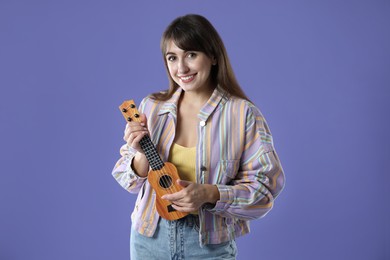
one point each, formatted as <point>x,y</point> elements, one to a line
<point>234,151</point>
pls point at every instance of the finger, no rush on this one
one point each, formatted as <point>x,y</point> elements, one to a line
<point>183,204</point>
<point>133,123</point>
<point>143,119</point>
<point>139,137</point>
<point>135,131</point>
<point>183,208</point>
<point>173,197</point>
<point>135,127</point>
<point>134,139</point>
<point>184,183</point>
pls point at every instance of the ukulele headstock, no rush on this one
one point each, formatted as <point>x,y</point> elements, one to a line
<point>129,111</point>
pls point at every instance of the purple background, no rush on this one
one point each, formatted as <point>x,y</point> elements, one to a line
<point>318,70</point>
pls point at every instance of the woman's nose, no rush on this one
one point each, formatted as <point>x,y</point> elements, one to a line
<point>182,67</point>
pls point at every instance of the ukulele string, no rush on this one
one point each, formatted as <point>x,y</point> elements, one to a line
<point>170,191</point>
<point>163,181</point>
<point>168,183</point>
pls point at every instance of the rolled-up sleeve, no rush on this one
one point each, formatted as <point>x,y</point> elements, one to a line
<point>123,172</point>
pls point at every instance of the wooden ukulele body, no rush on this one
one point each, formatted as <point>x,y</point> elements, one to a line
<point>164,182</point>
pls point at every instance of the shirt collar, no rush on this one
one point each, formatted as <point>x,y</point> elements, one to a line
<point>217,99</point>
<point>170,106</point>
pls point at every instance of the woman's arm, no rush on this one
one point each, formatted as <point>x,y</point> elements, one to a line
<point>260,177</point>
<point>193,196</point>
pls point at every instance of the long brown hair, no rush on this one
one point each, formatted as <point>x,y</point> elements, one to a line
<point>194,32</point>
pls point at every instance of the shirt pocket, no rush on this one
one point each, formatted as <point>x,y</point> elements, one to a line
<point>227,171</point>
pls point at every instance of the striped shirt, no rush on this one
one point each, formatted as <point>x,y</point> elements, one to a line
<point>234,151</point>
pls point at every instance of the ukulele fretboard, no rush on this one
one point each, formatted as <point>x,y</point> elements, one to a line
<point>151,153</point>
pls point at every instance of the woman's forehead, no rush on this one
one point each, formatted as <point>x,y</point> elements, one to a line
<point>171,47</point>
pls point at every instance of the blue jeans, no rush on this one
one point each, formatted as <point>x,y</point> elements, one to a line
<point>176,240</point>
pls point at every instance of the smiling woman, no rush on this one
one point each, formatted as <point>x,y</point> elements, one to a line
<point>204,123</point>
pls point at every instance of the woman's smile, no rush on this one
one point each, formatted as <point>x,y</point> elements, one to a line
<point>187,78</point>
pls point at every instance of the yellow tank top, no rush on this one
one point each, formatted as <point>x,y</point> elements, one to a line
<point>184,160</point>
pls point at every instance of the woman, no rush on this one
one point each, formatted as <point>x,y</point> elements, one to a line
<point>218,140</point>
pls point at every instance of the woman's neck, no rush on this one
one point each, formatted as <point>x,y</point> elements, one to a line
<point>196,99</point>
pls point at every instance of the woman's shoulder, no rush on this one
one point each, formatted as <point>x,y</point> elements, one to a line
<point>154,98</point>
<point>253,117</point>
<point>149,100</point>
<point>151,103</point>
<point>243,104</point>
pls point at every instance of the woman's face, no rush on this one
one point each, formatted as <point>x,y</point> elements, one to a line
<point>189,69</point>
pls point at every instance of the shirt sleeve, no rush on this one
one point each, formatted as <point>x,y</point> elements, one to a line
<point>259,178</point>
<point>124,173</point>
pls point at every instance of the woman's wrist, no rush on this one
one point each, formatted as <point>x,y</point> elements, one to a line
<point>140,164</point>
<point>212,193</point>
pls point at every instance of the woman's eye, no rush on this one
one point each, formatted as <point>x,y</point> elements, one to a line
<point>171,58</point>
<point>191,55</point>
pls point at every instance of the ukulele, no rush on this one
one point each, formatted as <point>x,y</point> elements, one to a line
<point>162,176</point>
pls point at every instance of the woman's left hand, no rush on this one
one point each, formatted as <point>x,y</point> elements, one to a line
<point>192,196</point>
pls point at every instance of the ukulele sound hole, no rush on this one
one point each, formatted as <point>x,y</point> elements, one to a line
<point>165,181</point>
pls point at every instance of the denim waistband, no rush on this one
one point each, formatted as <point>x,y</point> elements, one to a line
<point>190,219</point>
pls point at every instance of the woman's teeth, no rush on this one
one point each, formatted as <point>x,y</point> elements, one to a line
<point>187,78</point>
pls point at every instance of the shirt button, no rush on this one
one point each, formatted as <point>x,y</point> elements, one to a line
<point>202,123</point>
<point>203,168</point>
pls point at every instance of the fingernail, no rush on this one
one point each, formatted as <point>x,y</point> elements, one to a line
<point>142,124</point>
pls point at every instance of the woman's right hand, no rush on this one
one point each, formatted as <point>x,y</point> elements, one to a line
<point>135,131</point>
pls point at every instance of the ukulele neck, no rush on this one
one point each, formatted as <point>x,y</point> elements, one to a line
<point>151,153</point>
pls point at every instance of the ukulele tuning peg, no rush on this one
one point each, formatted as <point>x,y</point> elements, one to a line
<point>136,115</point>
<point>124,110</point>
<point>129,119</point>
<point>132,106</point>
